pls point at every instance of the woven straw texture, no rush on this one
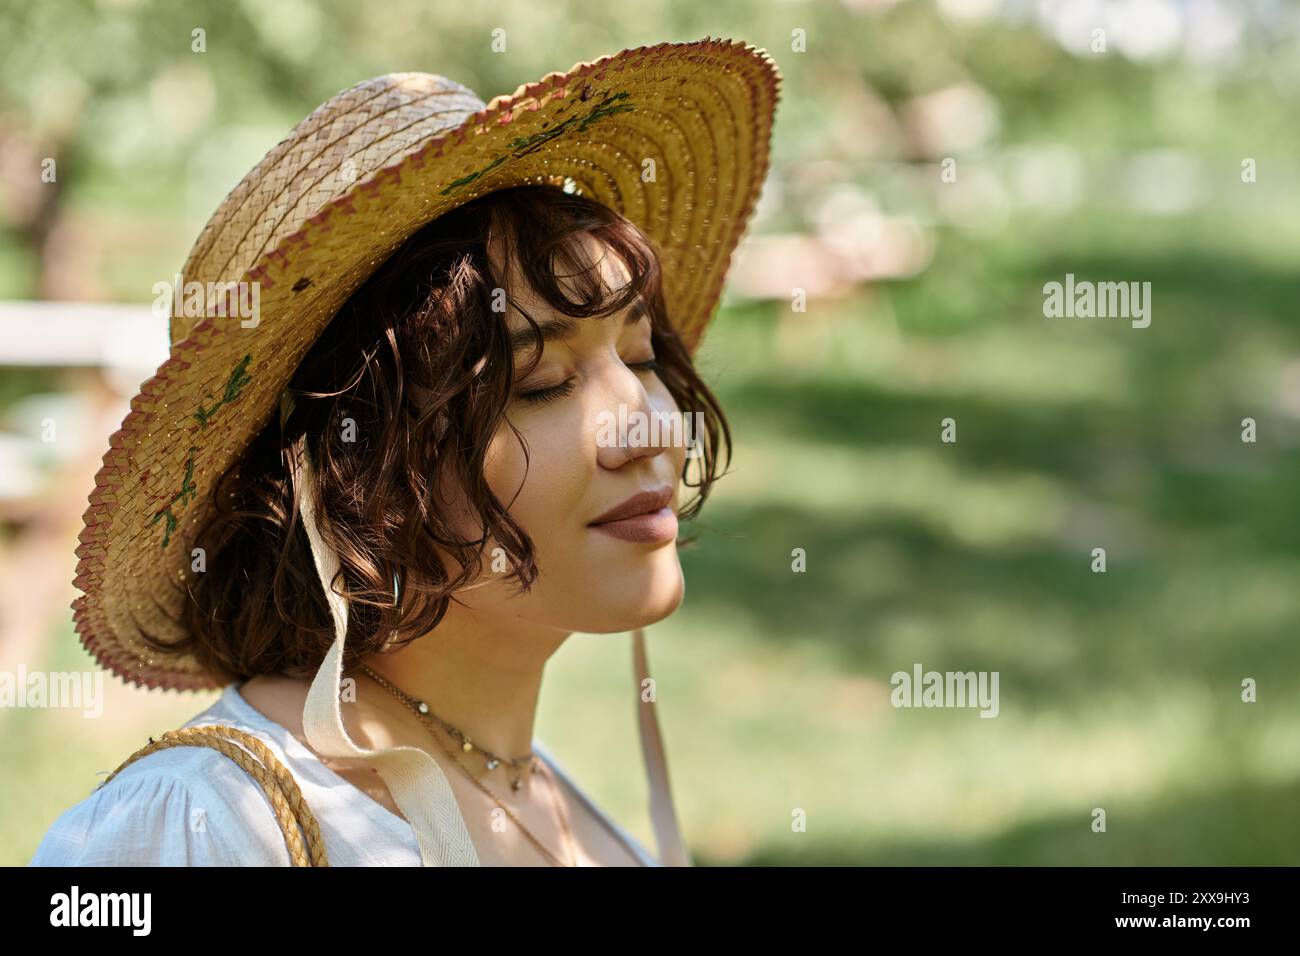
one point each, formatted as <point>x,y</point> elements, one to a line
<point>329,204</point>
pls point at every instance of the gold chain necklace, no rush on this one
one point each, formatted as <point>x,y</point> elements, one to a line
<point>426,716</point>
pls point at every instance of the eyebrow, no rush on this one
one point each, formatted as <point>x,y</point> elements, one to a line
<point>565,325</point>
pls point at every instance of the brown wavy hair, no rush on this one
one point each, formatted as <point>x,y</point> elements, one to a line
<point>404,389</point>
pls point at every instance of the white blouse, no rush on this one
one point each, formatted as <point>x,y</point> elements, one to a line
<point>194,806</point>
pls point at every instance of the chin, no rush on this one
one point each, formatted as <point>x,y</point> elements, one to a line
<point>640,597</point>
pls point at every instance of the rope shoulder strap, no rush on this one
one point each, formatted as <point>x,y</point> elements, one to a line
<point>297,823</point>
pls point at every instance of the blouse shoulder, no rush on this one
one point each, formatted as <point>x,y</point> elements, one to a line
<point>183,806</point>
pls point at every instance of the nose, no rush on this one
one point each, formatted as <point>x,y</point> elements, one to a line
<point>635,424</point>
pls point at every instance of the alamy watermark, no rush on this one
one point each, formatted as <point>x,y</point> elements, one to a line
<point>71,689</point>
<point>922,688</point>
<point>194,299</point>
<point>75,908</point>
<point>638,429</point>
<point>1101,300</point>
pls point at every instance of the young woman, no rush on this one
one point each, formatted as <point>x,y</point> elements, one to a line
<point>379,575</point>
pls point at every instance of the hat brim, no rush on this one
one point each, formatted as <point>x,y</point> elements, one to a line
<point>701,113</point>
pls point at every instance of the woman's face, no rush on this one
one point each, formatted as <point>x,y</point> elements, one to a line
<point>592,578</point>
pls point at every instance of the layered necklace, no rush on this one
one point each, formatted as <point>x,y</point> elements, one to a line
<point>516,765</point>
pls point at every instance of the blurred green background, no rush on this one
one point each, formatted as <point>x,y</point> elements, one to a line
<point>1119,690</point>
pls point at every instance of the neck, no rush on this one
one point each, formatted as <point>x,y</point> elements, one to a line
<point>479,672</point>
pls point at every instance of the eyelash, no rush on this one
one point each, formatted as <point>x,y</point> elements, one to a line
<point>543,395</point>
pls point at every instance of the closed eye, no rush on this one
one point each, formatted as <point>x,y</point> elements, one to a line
<point>540,396</point>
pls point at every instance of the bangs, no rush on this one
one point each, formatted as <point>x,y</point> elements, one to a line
<point>546,242</point>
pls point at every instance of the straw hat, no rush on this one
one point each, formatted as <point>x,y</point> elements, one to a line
<point>673,136</point>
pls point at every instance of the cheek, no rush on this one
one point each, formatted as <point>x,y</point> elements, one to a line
<point>679,460</point>
<point>545,488</point>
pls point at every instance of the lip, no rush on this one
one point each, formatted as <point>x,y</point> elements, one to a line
<point>646,518</point>
<point>641,503</point>
<point>654,527</point>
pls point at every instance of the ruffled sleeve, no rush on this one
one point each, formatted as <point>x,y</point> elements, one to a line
<point>178,807</point>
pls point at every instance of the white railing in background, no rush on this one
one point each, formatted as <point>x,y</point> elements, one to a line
<point>44,434</point>
<point>127,342</point>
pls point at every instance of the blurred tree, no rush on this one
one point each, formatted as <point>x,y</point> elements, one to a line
<point>84,83</point>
